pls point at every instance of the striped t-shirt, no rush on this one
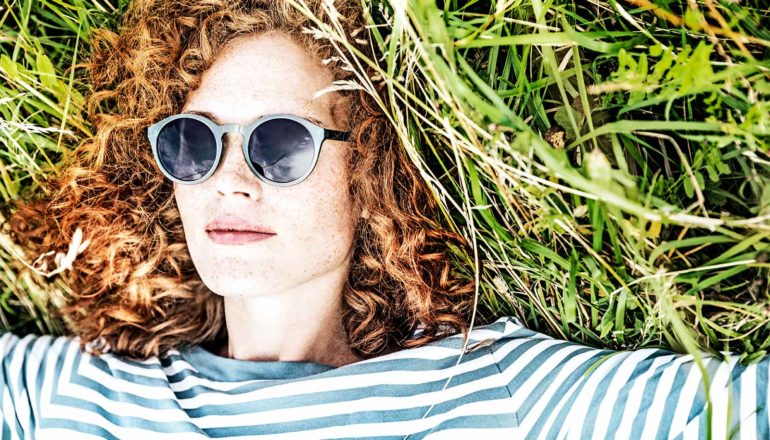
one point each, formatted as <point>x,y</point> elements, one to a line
<point>510,383</point>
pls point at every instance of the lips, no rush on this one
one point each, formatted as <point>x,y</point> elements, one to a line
<point>231,229</point>
<point>236,237</point>
<point>239,224</point>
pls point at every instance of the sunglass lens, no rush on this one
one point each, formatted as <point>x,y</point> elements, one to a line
<point>187,149</point>
<point>281,150</point>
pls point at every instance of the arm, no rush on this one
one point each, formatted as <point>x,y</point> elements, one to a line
<point>562,389</point>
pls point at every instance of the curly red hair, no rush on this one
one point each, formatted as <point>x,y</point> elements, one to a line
<point>135,286</point>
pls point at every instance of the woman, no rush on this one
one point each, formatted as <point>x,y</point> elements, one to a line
<point>241,280</point>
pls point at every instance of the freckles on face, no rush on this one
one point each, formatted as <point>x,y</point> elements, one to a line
<point>314,220</point>
<point>319,210</point>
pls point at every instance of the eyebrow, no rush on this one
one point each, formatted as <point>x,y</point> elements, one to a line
<point>219,121</point>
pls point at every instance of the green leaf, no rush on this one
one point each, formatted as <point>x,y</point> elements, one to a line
<point>562,118</point>
<point>9,67</point>
<point>46,71</point>
<point>537,248</point>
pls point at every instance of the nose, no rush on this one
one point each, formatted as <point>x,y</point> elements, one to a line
<point>233,175</point>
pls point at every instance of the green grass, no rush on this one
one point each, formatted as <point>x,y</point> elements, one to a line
<point>607,160</point>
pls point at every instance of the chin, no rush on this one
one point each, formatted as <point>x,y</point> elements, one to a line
<point>237,290</point>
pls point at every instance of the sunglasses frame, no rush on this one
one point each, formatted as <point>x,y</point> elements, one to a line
<point>318,133</point>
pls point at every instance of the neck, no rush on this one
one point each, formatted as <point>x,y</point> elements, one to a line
<point>301,324</point>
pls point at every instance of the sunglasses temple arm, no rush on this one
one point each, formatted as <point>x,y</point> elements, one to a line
<point>336,135</point>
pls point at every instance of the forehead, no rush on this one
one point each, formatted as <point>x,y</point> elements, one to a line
<point>262,74</point>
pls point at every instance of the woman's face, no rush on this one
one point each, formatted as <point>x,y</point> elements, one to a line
<point>313,221</point>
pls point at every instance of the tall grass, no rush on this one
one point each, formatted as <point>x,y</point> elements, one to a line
<point>607,159</point>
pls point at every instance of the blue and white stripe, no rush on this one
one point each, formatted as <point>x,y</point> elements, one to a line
<point>516,383</point>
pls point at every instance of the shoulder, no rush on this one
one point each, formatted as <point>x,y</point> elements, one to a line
<point>32,363</point>
<point>40,356</point>
<point>29,359</point>
<point>502,334</point>
<point>490,336</point>
<point>522,353</point>
<point>31,347</point>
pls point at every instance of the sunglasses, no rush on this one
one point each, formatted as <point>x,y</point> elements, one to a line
<point>280,149</point>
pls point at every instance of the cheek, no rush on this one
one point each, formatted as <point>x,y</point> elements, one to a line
<point>326,199</point>
<point>186,205</point>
